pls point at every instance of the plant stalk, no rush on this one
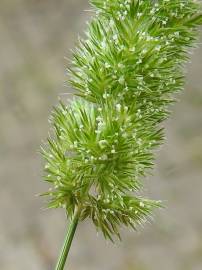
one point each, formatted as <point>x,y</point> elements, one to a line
<point>68,240</point>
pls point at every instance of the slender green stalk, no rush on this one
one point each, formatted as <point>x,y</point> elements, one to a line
<point>68,241</point>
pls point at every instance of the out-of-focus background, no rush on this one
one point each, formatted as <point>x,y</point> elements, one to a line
<point>35,36</point>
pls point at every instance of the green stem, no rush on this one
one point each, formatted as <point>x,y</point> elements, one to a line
<point>68,240</point>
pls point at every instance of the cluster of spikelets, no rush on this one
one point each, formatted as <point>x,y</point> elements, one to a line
<point>125,72</point>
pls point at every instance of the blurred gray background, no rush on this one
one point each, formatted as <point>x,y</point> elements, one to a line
<point>35,36</point>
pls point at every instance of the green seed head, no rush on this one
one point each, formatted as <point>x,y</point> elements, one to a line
<point>125,72</point>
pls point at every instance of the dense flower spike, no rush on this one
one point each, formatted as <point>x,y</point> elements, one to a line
<point>126,72</point>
